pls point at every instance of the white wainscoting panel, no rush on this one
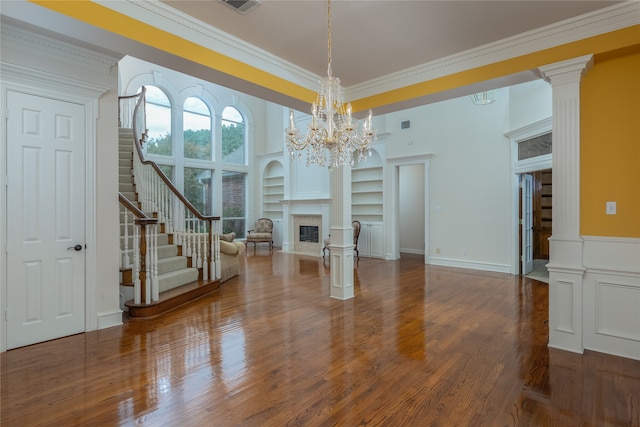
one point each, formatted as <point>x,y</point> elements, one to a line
<point>612,296</point>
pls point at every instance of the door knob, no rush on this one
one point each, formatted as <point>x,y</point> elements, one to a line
<point>75,248</point>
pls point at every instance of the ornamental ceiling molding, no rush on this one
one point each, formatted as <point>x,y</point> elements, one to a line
<point>159,15</point>
<point>599,22</point>
<point>40,46</point>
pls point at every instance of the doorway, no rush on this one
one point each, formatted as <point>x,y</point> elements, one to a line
<point>411,215</point>
<point>45,214</point>
<point>536,223</point>
<point>416,176</point>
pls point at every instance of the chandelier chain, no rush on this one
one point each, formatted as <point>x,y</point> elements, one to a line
<point>333,138</point>
<point>329,38</point>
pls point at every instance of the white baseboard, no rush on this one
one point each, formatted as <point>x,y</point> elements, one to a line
<point>412,251</point>
<point>472,265</point>
<point>107,319</point>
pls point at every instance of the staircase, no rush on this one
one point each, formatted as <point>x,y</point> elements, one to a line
<point>178,281</point>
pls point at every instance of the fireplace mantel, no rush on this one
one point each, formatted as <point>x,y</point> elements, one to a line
<point>296,208</point>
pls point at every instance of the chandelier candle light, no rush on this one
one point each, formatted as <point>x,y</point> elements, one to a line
<point>333,138</point>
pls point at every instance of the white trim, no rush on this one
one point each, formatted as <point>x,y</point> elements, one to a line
<point>391,202</point>
<point>471,265</point>
<point>25,79</point>
<point>38,87</point>
<point>107,319</point>
<point>519,167</point>
<point>157,14</point>
<point>602,21</point>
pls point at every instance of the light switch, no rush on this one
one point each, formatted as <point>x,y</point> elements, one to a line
<point>611,208</point>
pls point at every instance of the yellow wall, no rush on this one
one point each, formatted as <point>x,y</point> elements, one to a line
<point>610,145</point>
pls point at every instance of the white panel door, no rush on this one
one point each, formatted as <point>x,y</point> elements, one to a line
<point>45,218</point>
<point>527,223</point>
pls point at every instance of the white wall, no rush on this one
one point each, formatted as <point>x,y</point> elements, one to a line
<point>469,178</point>
<point>529,103</point>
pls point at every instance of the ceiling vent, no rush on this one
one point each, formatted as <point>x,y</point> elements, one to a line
<point>405,125</point>
<point>242,6</point>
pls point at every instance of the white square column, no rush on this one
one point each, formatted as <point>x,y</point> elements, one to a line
<point>341,257</point>
<point>566,268</point>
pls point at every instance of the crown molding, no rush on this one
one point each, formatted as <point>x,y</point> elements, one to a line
<point>159,15</point>
<point>616,17</point>
<point>23,41</point>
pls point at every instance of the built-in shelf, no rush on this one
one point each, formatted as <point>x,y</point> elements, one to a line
<point>273,191</point>
<point>366,191</point>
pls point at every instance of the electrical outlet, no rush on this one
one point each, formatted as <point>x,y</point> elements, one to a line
<point>611,208</point>
<point>437,250</point>
<point>465,252</point>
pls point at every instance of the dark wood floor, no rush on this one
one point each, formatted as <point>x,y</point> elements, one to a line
<point>417,346</point>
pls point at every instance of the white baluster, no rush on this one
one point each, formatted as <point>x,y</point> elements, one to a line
<point>136,266</point>
<point>205,257</point>
<point>147,262</point>
<point>126,260</point>
<point>154,268</point>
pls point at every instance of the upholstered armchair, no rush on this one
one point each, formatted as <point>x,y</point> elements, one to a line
<point>262,232</point>
<point>356,233</point>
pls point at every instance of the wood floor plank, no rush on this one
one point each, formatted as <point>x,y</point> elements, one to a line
<point>418,345</point>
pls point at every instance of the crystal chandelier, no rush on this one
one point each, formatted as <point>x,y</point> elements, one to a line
<point>333,138</point>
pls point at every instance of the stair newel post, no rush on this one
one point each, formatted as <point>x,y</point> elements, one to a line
<point>143,261</point>
<point>146,258</point>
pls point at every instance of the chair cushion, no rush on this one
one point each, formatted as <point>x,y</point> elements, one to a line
<point>263,227</point>
<point>259,236</point>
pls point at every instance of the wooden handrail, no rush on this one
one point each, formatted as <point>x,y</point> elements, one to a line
<point>172,187</point>
<point>136,210</point>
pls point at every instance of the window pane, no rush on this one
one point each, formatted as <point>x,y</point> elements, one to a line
<point>158,111</point>
<point>197,188</point>
<point>534,147</point>
<point>197,129</point>
<point>168,171</point>
<point>233,137</point>
<point>233,203</point>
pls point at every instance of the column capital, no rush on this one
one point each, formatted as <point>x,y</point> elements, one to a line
<point>567,71</point>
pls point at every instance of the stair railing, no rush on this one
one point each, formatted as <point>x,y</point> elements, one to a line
<point>142,258</point>
<point>198,234</point>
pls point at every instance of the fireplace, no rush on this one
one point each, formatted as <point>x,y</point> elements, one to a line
<point>309,233</point>
<point>307,230</point>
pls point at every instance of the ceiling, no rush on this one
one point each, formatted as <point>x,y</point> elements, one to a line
<point>377,45</point>
<point>375,38</point>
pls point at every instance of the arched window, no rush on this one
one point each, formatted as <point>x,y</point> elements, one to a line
<point>158,111</point>
<point>196,119</point>
<point>233,137</point>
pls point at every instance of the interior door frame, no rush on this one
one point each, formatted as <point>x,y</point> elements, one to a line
<point>526,223</point>
<point>391,214</point>
<point>519,167</point>
<point>48,85</point>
